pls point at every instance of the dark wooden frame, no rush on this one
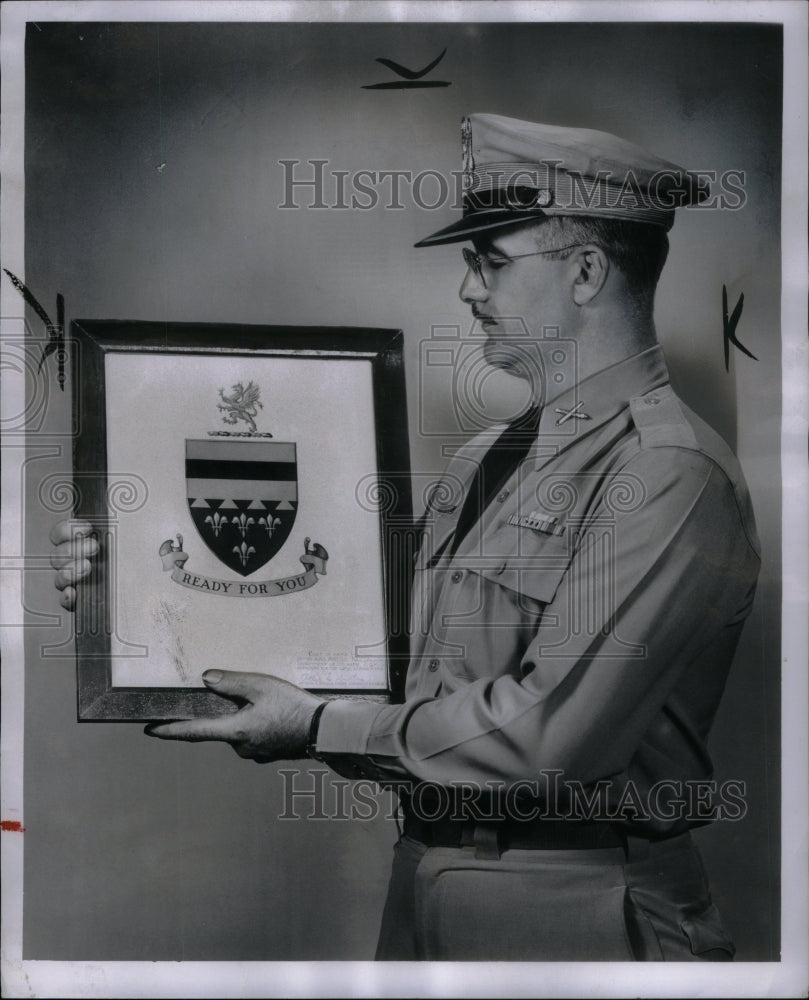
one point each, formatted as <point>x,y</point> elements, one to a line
<point>92,340</point>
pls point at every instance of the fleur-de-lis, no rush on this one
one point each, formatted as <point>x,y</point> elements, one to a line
<point>270,523</point>
<point>244,551</point>
<point>217,522</point>
<point>242,522</point>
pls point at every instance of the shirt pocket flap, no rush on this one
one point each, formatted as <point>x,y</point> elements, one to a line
<point>433,540</point>
<point>706,932</point>
<point>536,571</point>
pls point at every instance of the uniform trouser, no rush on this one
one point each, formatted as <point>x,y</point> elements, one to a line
<point>444,903</point>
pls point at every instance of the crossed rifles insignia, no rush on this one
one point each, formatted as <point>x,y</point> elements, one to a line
<point>574,413</point>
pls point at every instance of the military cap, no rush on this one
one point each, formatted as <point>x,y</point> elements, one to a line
<point>515,170</point>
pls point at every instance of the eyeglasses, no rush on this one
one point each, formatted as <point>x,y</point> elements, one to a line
<point>475,261</point>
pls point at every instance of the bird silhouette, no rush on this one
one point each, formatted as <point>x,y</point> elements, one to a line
<point>411,74</point>
<point>410,77</point>
<point>729,328</point>
<point>55,331</point>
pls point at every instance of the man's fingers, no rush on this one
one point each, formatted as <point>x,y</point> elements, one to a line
<point>223,727</point>
<point>64,531</point>
<point>79,548</point>
<point>68,598</point>
<point>72,573</point>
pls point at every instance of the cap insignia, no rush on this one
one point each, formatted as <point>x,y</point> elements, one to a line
<point>466,150</point>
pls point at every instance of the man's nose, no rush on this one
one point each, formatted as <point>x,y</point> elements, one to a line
<point>472,288</point>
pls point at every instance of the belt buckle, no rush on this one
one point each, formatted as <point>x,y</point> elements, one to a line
<point>485,838</point>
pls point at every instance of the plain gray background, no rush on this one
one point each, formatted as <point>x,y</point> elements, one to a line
<point>152,186</point>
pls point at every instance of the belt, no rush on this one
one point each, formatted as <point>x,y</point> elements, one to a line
<point>490,837</point>
<point>503,835</point>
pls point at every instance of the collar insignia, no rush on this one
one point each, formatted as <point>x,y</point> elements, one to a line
<point>571,414</point>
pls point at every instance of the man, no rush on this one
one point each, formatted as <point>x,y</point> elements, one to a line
<point>583,579</point>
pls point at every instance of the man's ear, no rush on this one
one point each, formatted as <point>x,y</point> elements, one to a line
<point>592,268</point>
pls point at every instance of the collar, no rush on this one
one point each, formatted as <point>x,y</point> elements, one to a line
<point>591,403</point>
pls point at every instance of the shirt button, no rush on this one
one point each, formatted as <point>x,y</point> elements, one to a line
<point>652,400</point>
<point>457,577</point>
<point>433,665</point>
<point>503,496</point>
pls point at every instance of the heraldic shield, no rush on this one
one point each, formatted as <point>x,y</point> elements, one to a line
<point>243,497</point>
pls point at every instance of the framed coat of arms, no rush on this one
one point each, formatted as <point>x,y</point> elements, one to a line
<point>249,488</point>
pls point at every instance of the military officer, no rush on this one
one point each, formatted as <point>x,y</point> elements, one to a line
<point>584,575</point>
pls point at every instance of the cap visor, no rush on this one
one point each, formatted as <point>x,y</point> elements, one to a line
<point>464,228</point>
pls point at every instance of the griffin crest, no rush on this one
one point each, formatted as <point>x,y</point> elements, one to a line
<point>242,404</point>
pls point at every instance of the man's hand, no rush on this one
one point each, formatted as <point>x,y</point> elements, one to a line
<point>70,556</point>
<point>271,724</point>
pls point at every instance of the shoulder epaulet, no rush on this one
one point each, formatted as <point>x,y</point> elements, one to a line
<point>660,420</point>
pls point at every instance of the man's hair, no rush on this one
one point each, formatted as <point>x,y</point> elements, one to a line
<point>637,249</point>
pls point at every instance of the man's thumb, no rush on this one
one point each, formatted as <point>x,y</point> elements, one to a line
<point>231,683</point>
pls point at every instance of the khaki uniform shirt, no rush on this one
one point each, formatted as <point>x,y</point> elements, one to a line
<point>586,624</point>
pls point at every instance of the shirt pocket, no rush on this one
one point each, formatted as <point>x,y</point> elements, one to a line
<point>534,572</point>
<point>435,537</point>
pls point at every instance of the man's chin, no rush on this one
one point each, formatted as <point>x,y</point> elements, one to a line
<point>508,358</point>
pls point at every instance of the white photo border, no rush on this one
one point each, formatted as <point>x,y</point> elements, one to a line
<point>258,979</point>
